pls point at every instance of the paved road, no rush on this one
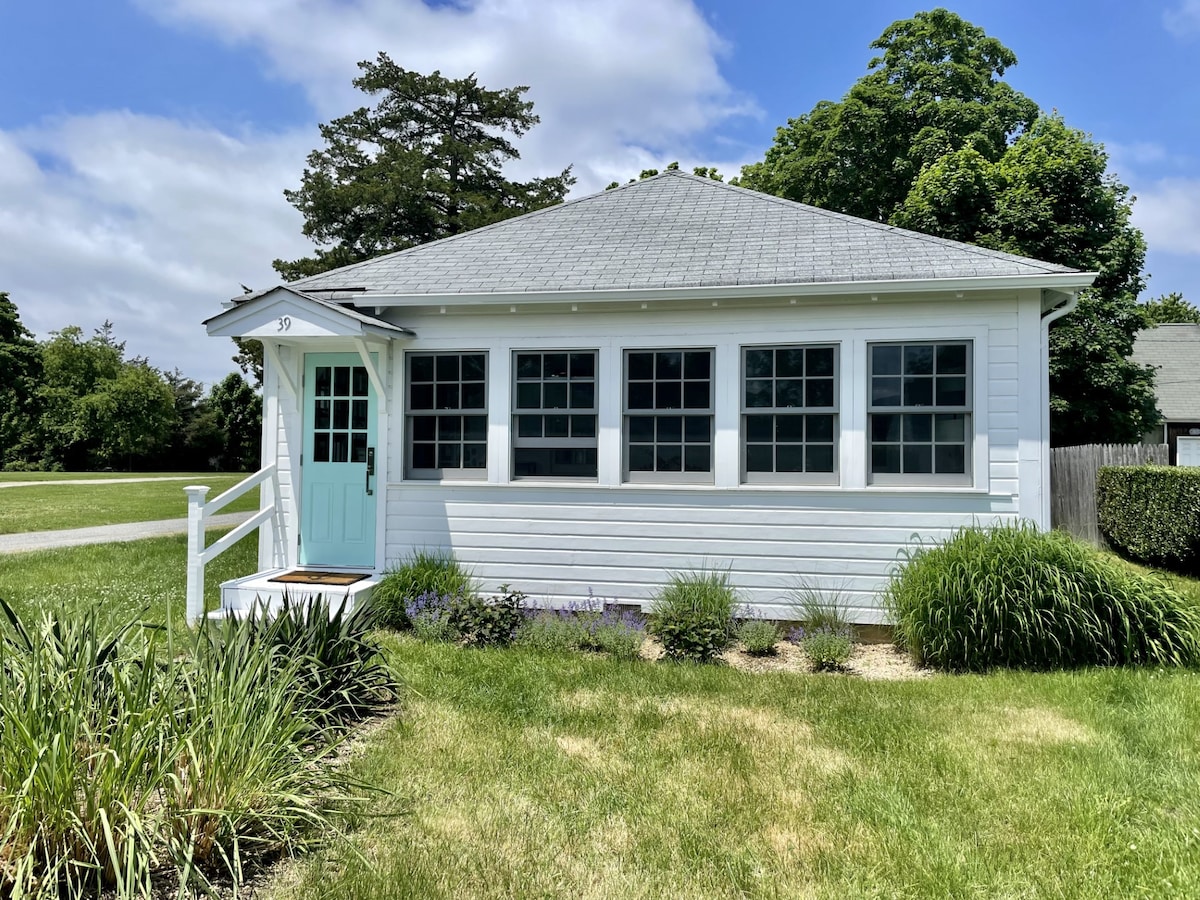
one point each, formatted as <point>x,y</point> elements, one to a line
<point>107,534</point>
<point>16,484</point>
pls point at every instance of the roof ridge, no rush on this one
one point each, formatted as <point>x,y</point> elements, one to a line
<point>880,226</point>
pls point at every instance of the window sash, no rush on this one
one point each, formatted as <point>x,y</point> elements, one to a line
<point>568,412</point>
<point>903,412</point>
<point>657,413</point>
<point>443,435</point>
<point>802,410</point>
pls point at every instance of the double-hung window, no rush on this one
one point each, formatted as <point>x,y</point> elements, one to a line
<point>447,415</point>
<point>669,415</point>
<point>789,414</point>
<point>920,412</point>
<point>554,414</point>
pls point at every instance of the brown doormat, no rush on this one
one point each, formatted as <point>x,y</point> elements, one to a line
<point>334,578</point>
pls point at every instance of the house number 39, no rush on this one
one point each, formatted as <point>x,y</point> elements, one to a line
<point>285,323</point>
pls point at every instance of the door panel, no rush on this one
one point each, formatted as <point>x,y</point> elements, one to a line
<point>337,517</point>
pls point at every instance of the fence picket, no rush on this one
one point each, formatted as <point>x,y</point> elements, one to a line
<point>1073,482</point>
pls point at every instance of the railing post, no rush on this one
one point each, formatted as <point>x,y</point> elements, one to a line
<point>195,552</point>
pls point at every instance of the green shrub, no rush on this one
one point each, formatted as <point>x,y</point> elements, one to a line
<point>488,622</point>
<point>827,651</point>
<point>693,615</point>
<point>1012,596</point>
<point>758,637</point>
<point>435,572</point>
<point>1152,514</point>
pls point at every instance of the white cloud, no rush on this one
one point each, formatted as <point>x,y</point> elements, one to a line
<point>1168,212</point>
<point>1183,21</point>
<point>144,221</point>
<point>151,222</point>
<point>617,83</point>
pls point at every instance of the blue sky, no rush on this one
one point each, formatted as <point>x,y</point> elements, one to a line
<point>145,144</point>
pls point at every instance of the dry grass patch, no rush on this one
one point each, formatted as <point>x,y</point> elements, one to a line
<point>1041,725</point>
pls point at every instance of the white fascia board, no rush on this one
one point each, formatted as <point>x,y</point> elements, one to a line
<point>1063,281</point>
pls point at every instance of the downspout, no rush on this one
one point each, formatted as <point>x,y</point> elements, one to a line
<point>1048,318</point>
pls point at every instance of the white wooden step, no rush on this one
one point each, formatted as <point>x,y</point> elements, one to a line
<point>241,595</point>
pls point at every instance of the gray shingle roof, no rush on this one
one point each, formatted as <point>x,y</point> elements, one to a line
<point>1174,350</point>
<point>671,231</point>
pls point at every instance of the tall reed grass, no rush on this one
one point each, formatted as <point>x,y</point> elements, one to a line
<point>125,755</point>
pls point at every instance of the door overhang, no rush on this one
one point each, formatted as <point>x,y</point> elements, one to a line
<point>285,314</point>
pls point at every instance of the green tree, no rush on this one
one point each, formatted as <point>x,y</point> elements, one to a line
<point>934,90</point>
<point>1171,309</point>
<point>20,372</point>
<point>73,369</point>
<point>1050,197</point>
<point>97,408</point>
<point>930,139</point>
<point>702,171</point>
<point>238,412</point>
<point>249,358</point>
<point>133,414</point>
<point>423,163</point>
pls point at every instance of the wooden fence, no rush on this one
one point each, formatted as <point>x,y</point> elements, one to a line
<point>1073,482</point>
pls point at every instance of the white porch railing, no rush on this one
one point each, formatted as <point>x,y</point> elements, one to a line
<point>198,556</point>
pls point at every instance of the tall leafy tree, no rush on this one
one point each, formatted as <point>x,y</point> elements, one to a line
<point>133,414</point>
<point>97,408</point>
<point>931,139</point>
<point>238,412</point>
<point>20,372</point>
<point>425,162</point>
<point>934,89</point>
<point>1171,309</point>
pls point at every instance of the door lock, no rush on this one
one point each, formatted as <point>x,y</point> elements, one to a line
<point>370,469</point>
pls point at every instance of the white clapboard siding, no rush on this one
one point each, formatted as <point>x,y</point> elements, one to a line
<point>561,542</point>
<point>558,545</point>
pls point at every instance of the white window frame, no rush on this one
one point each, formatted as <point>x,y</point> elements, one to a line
<point>834,410</point>
<point>656,413</point>
<point>554,443</point>
<point>969,410</point>
<point>411,414</point>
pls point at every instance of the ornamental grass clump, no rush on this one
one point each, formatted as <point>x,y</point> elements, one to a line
<point>340,671</point>
<point>424,572</point>
<point>693,615</point>
<point>132,765</point>
<point>1013,596</point>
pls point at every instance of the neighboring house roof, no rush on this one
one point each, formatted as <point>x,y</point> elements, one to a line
<point>1174,350</point>
<point>671,231</point>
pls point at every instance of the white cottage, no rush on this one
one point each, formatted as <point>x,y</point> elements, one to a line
<point>670,375</point>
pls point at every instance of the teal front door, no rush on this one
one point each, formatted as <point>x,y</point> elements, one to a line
<point>337,511</point>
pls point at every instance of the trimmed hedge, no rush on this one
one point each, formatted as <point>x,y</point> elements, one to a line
<point>1152,514</point>
<point>1014,597</point>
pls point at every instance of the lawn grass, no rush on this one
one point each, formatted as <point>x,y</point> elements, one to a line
<point>524,775</point>
<point>54,506</point>
<point>89,476</point>
<point>137,580</point>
